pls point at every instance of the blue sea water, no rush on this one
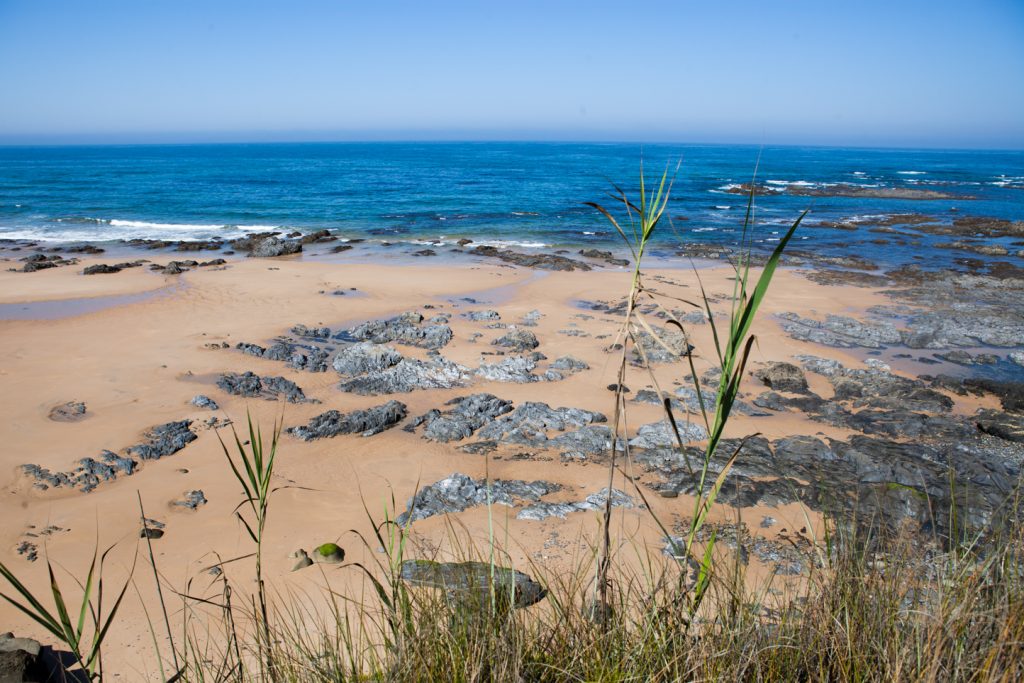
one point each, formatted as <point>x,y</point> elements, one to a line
<point>526,194</point>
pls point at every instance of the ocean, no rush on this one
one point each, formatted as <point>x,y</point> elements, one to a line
<point>524,195</point>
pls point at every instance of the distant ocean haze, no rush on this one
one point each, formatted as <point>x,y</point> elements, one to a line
<point>525,195</point>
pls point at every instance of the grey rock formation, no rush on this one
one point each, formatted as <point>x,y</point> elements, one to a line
<point>840,331</point>
<point>459,492</point>
<point>250,385</point>
<point>404,329</point>
<point>468,414</point>
<point>596,501</point>
<point>365,422</point>
<point>477,316</point>
<point>164,440</point>
<point>203,401</point>
<point>192,500</point>
<point>270,247</point>
<point>409,374</point>
<point>365,357</point>
<point>661,434</point>
<point>517,340</point>
<point>783,377</point>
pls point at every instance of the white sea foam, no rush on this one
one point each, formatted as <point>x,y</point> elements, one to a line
<point>912,172</point>
<point>704,229</point>
<point>88,229</point>
<point>513,243</point>
<point>723,207</point>
<point>587,232</point>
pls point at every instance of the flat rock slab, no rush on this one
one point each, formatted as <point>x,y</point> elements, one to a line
<point>473,581</point>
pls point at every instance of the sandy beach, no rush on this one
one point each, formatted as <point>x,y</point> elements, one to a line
<point>138,363</point>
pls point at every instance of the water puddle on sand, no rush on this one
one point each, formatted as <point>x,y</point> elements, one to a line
<point>67,308</point>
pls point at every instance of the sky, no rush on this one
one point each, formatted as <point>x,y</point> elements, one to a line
<point>893,73</point>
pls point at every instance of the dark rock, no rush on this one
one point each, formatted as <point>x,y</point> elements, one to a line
<point>542,510</point>
<point>595,253</point>
<point>192,500</point>
<point>20,659</point>
<point>477,316</point>
<point>783,377</point>
<point>468,414</point>
<point>312,332</point>
<point>670,346</point>
<point>1003,425</point>
<point>517,340</point>
<point>164,440</point>
<point>248,384</point>
<point>340,248</point>
<point>840,331</point>
<point>202,401</point>
<point>404,329</point>
<point>100,269</point>
<point>271,247</point>
<point>475,582</point>
<point>425,252</point>
<point>542,261</point>
<point>409,374</point>
<point>459,492</point>
<point>151,533</point>
<point>365,422</point>
<point>569,364</point>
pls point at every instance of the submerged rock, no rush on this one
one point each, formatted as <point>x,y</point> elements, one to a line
<point>365,422</point>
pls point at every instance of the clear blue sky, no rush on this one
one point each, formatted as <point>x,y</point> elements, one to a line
<point>860,73</point>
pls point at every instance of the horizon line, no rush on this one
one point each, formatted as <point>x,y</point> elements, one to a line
<point>499,140</point>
